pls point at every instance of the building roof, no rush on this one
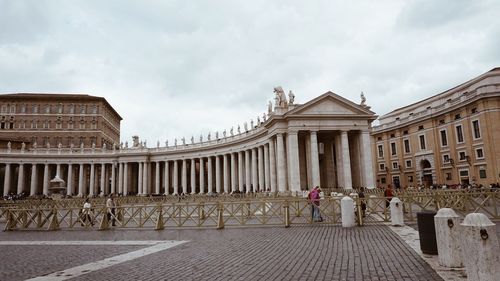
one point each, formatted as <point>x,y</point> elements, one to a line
<point>52,96</point>
<point>416,104</point>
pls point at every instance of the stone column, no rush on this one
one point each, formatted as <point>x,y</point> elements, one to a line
<point>272,165</point>
<point>157,177</point>
<point>6,180</point>
<point>20,179</point>
<point>113,176</point>
<point>80,181</point>
<point>193,176</point>
<point>241,175</point>
<point>202,176</point>
<point>176,177</point>
<point>145,179</point>
<point>339,164</point>
<point>45,179</point>
<point>33,179</point>
<point>217,174</point>
<point>260,165</point>
<point>255,178</point>
<point>367,159</point>
<point>248,181</point>
<point>125,179</point>
<point>184,176</point>
<point>166,179</point>
<point>92,180</point>
<point>209,175</point>
<point>346,160</point>
<point>266,168</point>
<point>58,170</point>
<point>103,179</point>
<point>120,178</point>
<point>233,173</point>
<point>281,163</point>
<point>226,173</point>
<point>140,178</point>
<point>314,159</point>
<point>69,190</point>
<point>293,150</point>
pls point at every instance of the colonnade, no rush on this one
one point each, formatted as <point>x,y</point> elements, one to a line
<point>285,161</point>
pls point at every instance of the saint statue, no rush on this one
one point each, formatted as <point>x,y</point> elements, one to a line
<point>166,143</point>
<point>48,145</point>
<point>269,107</point>
<point>224,133</point>
<point>93,145</point>
<point>72,145</point>
<point>104,146</point>
<point>280,97</point>
<point>201,137</point>
<point>209,136</point>
<point>246,126</point>
<point>239,129</point>
<point>217,135</point>
<point>264,117</point>
<point>258,120</point>
<point>157,144</point>
<point>291,98</point>
<point>23,146</point>
<point>251,124</point>
<point>175,142</point>
<point>9,145</point>
<point>34,145</point>
<point>126,144</point>
<point>183,141</point>
<point>145,145</point>
<point>231,131</point>
<point>192,139</point>
<point>363,99</point>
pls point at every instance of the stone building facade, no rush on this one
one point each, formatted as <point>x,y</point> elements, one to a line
<point>450,138</point>
<point>324,142</point>
<point>47,120</point>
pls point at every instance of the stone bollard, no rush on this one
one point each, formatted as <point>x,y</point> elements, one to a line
<point>347,212</point>
<point>481,255</point>
<point>397,212</point>
<point>448,233</point>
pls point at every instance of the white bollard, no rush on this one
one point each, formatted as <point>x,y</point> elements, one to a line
<point>347,212</point>
<point>322,195</point>
<point>448,234</point>
<point>481,253</point>
<point>397,212</point>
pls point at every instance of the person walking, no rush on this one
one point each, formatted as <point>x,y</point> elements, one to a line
<point>111,209</point>
<point>361,196</point>
<point>87,213</point>
<point>315,204</point>
<point>388,195</point>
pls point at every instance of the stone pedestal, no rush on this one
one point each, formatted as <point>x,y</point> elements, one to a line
<point>481,253</point>
<point>448,235</point>
<point>346,205</point>
<point>397,212</point>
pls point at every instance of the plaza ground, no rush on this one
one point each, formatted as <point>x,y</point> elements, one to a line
<point>303,252</point>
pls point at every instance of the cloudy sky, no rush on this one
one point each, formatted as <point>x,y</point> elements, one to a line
<point>182,68</point>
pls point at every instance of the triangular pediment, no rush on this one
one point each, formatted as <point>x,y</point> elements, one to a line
<point>330,104</point>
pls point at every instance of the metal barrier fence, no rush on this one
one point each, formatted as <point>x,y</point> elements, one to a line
<point>266,211</point>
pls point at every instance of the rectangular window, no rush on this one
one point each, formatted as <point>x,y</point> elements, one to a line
<point>464,173</point>
<point>380,151</point>
<point>475,126</point>
<point>393,148</point>
<point>479,153</point>
<point>408,163</point>
<point>460,134</point>
<point>482,174</point>
<point>461,155</point>
<point>407,145</point>
<point>395,166</point>
<point>448,176</point>
<point>444,139</point>
<point>446,158</point>
<point>381,167</point>
<point>422,142</point>
<point>382,180</point>
<point>410,178</point>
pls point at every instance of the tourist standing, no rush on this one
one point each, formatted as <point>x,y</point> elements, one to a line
<point>388,195</point>
<point>111,209</point>
<point>87,213</point>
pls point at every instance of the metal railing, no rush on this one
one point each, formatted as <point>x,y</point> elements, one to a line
<point>221,212</point>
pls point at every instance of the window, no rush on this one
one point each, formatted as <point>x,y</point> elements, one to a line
<point>457,116</point>
<point>408,163</point>
<point>464,173</point>
<point>410,178</point>
<point>13,108</point>
<point>421,127</point>
<point>422,142</point>
<point>395,165</point>
<point>381,167</point>
<point>444,139</point>
<point>380,150</point>
<point>393,148</point>
<point>446,158</point>
<point>382,180</point>
<point>441,121</point>
<point>47,108</point>
<point>448,176</point>
<point>477,131</point>
<point>460,135</point>
<point>4,108</point>
<point>406,143</point>
<point>23,108</point>
<point>94,109</point>
<point>34,109</point>
<point>462,155</point>
<point>82,125</point>
<point>405,132</point>
<point>379,138</point>
<point>473,110</point>
<point>482,173</point>
<point>479,153</point>
<point>393,136</point>
<point>72,109</point>
<point>82,109</point>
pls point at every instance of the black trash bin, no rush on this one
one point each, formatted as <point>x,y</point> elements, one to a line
<point>427,232</point>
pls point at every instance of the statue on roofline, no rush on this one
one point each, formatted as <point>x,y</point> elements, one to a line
<point>280,97</point>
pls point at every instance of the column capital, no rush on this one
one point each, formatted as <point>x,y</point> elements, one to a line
<point>313,132</point>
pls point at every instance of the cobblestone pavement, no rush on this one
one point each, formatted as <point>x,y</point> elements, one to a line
<point>297,253</point>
